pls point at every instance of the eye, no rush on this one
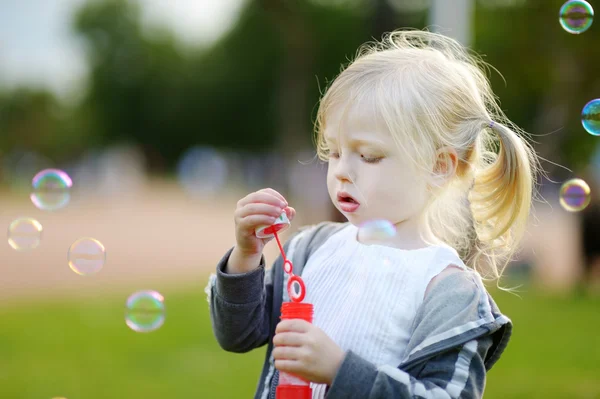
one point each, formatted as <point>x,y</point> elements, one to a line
<point>368,159</point>
<point>333,154</point>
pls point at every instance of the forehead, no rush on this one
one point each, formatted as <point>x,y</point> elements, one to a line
<point>355,121</point>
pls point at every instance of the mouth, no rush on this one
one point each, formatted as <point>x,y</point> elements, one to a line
<point>345,197</point>
<point>346,202</point>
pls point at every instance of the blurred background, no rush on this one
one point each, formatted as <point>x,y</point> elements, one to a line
<point>164,114</point>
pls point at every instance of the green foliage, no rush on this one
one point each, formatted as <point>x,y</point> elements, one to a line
<point>81,348</point>
<point>260,83</point>
<point>549,75</point>
<point>34,119</point>
<point>146,90</point>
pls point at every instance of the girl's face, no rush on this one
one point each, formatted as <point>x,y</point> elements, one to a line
<point>368,176</point>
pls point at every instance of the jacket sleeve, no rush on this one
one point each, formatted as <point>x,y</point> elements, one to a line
<point>240,306</point>
<point>456,373</point>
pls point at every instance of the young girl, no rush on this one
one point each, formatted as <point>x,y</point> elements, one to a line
<point>413,135</point>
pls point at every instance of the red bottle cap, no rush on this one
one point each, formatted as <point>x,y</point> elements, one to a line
<point>297,310</point>
<point>293,392</point>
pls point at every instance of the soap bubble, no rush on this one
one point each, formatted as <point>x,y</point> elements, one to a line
<point>375,231</point>
<point>145,311</point>
<point>576,16</point>
<point>590,117</point>
<point>575,195</point>
<point>86,256</point>
<point>51,189</point>
<point>24,234</point>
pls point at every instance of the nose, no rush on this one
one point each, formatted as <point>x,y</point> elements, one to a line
<point>343,170</point>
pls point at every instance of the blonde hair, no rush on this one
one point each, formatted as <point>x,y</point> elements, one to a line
<point>432,93</point>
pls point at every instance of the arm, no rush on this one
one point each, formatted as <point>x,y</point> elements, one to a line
<point>457,373</point>
<point>240,306</point>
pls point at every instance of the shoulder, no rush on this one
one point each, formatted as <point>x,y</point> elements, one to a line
<point>309,238</point>
<point>323,226</point>
<point>455,282</point>
<point>317,234</point>
<point>447,271</point>
<point>445,262</point>
<point>459,294</point>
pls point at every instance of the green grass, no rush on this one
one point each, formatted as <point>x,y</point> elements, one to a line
<point>554,351</point>
<point>81,349</point>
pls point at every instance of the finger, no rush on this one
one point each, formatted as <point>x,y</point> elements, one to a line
<point>253,221</point>
<point>289,339</point>
<point>275,193</point>
<point>293,325</point>
<point>289,366</point>
<point>258,209</point>
<point>286,353</point>
<point>290,213</point>
<point>262,197</point>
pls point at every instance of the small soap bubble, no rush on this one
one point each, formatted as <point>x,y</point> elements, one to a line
<point>86,256</point>
<point>145,311</point>
<point>51,189</point>
<point>24,234</point>
<point>590,117</point>
<point>375,231</point>
<point>575,195</point>
<point>576,16</point>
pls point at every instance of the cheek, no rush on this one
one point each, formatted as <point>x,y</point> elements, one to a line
<point>331,181</point>
<point>330,176</point>
<point>403,186</point>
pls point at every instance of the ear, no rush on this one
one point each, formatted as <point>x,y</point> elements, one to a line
<point>445,165</point>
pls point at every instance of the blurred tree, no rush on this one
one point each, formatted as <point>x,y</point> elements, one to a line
<point>135,83</point>
<point>252,89</point>
<point>549,75</point>
<point>34,120</point>
<point>257,88</point>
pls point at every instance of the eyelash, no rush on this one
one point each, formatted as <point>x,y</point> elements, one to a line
<point>372,160</point>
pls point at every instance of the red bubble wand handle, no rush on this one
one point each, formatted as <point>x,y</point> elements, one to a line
<point>290,386</point>
<point>288,267</point>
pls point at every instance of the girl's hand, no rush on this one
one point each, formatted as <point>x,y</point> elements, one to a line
<point>303,349</point>
<point>259,208</point>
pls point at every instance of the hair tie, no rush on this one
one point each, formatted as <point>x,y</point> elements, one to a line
<point>491,125</point>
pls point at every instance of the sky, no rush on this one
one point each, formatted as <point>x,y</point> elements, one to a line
<point>37,47</point>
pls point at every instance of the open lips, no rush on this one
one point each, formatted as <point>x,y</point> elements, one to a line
<point>346,202</point>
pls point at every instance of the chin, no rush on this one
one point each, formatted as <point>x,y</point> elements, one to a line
<point>354,219</point>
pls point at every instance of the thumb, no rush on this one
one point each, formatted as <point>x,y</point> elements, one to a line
<point>266,240</point>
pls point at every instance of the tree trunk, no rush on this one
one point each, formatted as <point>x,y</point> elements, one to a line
<point>294,80</point>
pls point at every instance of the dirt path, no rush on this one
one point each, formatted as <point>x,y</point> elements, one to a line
<point>158,238</point>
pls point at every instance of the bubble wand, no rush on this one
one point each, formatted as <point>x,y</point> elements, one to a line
<point>290,386</point>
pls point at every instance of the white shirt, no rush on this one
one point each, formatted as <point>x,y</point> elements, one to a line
<point>365,297</point>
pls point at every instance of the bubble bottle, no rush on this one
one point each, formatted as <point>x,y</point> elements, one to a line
<point>290,386</point>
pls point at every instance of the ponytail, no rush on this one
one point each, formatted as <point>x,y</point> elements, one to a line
<point>501,196</point>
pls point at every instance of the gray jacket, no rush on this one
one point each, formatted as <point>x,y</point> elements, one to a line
<point>457,335</point>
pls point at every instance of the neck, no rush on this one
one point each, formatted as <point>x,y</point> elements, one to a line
<point>409,235</point>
